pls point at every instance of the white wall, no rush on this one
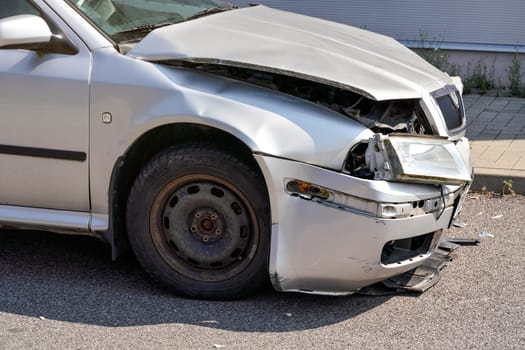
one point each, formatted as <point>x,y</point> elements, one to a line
<point>481,25</point>
<point>470,31</point>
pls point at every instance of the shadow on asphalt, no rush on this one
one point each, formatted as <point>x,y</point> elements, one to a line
<point>73,279</point>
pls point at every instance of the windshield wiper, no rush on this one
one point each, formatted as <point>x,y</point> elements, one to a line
<point>145,29</point>
<point>209,11</point>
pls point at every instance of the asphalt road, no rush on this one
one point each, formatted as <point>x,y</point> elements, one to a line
<point>63,292</point>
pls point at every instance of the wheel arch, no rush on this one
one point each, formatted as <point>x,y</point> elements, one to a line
<point>128,166</point>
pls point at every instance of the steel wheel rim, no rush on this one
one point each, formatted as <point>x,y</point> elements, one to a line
<point>204,227</point>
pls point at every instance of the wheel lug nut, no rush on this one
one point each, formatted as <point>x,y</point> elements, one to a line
<point>213,216</point>
<point>198,215</point>
<point>193,228</point>
<point>205,239</point>
<point>217,232</point>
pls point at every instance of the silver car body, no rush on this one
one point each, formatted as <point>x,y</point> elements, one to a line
<point>109,100</point>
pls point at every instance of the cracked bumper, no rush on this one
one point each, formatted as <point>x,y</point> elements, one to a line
<point>325,249</point>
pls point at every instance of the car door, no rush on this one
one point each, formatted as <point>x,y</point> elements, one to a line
<point>44,105</point>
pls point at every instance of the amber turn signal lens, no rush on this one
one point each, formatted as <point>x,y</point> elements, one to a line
<point>306,189</point>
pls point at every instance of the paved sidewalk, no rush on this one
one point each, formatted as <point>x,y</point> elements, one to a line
<point>496,129</point>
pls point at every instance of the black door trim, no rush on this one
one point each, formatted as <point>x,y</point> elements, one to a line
<point>43,153</point>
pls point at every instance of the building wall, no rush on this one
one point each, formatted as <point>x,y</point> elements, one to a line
<point>465,24</point>
<point>470,31</point>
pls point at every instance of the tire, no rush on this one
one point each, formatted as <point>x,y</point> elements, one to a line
<point>198,221</point>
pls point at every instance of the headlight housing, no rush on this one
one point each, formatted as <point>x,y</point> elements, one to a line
<point>418,159</point>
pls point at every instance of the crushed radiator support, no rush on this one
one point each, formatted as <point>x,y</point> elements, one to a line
<point>424,276</point>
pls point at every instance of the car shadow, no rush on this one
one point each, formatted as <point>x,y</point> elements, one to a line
<point>73,279</point>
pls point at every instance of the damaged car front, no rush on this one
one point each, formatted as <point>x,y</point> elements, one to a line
<point>360,142</point>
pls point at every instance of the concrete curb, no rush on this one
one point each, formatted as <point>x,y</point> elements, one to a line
<point>496,130</point>
<point>492,179</point>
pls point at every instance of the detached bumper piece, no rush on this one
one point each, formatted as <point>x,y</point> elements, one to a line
<point>424,276</point>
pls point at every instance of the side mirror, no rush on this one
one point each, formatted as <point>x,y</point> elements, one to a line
<point>24,32</point>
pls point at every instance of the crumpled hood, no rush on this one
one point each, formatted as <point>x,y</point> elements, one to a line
<point>277,41</point>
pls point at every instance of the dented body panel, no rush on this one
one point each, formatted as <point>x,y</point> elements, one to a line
<point>313,48</point>
<point>325,110</point>
<point>337,250</point>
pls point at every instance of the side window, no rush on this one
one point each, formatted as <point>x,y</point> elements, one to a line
<point>10,8</point>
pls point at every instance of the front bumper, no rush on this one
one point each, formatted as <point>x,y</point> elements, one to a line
<point>325,249</point>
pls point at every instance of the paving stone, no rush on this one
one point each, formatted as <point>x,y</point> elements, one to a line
<point>485,100</point>
<point>496,125</point>
<point>499,103</point>
<point>516,125</point>
<point>474,112</point>
<point>514,106</point>
<point>497,106</point>
<point>489,130</point>
<point>484,163</point>
<point>488,143</point>
<point>466,106</point>
<point>504,117</point>
<point>493,154</point>
<point>476,152</point>
<point>474,134</point>
<point>518,144</point>
<point>508,159</point>
<point>500,143</point>
<point>496,129</point>
<point>520,164</point>
<point>517,119</point>
<point>479,124</point>
<point>508,135</point>
<point>471,97</point>
<point>489,136</point>
<point>487,116</point>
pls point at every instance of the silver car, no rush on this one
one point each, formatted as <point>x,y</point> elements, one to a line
<point>228,147</point>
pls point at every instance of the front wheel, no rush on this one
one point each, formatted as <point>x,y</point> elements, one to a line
<point>198,222</point>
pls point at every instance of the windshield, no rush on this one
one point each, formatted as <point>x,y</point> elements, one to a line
<point>131,20</point>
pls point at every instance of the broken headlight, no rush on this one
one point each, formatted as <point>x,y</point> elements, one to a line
<point>416,159</point>
<point>405,158</point>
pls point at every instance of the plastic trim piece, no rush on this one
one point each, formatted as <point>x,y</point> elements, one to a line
<point>43,153</point>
